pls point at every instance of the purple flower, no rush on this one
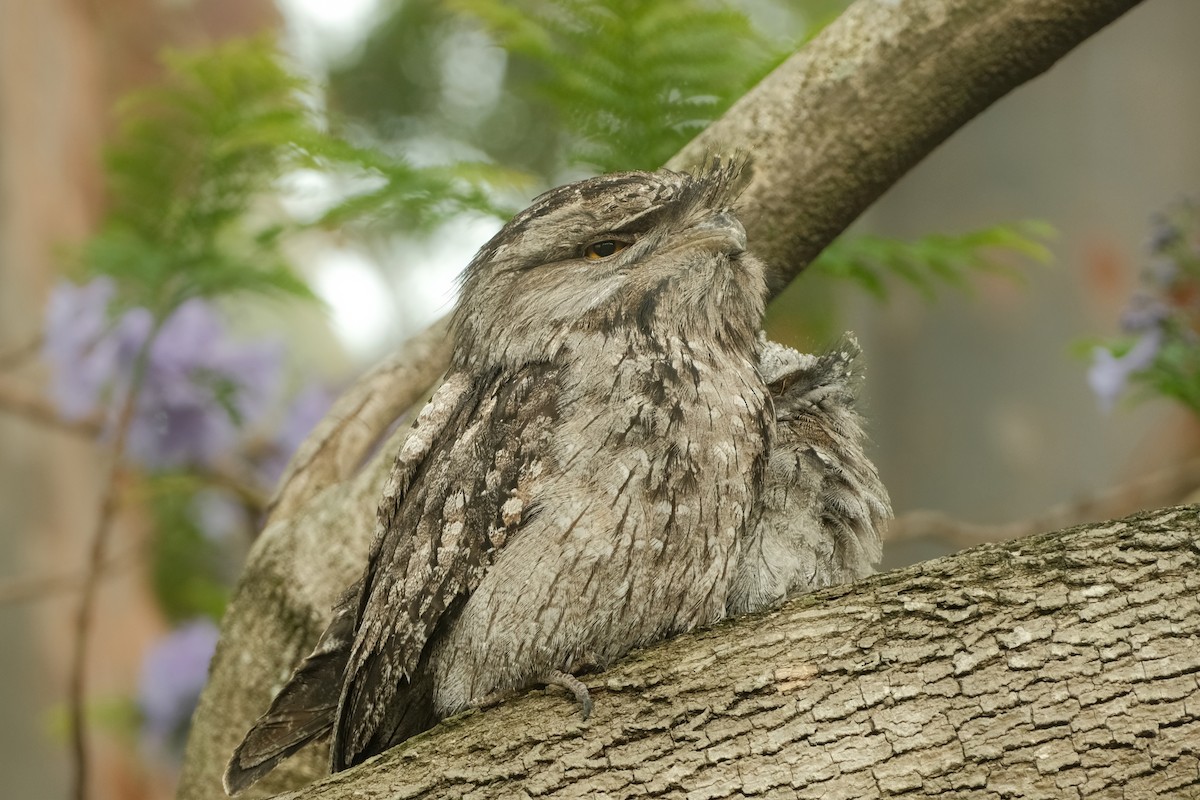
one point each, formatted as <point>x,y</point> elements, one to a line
<point>1144,313</point>
<point>174,671</point>
<point>85,347</point>
<point>199,387</point>
<point>1109,375</point>
<point>306,409</point>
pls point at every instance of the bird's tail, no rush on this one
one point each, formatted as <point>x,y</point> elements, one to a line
<point>304,710</point>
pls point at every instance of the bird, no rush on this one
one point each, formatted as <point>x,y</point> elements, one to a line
<point>595,473</point>
<point>823,508</point>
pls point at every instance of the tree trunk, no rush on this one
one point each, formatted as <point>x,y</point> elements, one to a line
<point>1060,665</point>
<point>829,131</point>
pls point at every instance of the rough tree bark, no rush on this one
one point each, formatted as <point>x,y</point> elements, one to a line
<point>1064,665</point>
<point>830,130</point>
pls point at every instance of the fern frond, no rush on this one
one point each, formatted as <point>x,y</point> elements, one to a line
<point>630,81</point>
<point>195,156</point>
<point>934,260</point>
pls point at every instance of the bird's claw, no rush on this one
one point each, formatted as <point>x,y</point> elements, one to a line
<point>572,685</point>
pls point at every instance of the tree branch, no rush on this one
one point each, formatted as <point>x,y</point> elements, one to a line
<point>343,440</point>
<point>93,569</point>
<point>33,407</point>
<point>1171,485</point>
<point>1064,661</point>
<point>841,121</point>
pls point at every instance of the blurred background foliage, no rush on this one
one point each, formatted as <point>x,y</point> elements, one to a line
<point>415,145</point>
<point>1157,353</point>
<point>564,89</point>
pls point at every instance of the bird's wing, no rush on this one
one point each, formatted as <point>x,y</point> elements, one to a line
<point>456,496</point>
<point>303,711</point>
<point>306,707</point>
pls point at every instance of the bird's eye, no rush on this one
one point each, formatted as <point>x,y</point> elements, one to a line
<point>603,249</point>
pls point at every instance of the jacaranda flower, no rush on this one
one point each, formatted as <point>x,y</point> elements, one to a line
<point>198,388</point>
<point>174,672</point>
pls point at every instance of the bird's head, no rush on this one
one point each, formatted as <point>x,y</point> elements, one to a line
<point>660,254</point>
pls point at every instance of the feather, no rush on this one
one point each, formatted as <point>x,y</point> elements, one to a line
<point>304,709</point>
<point>823,508</point>
<point>438,538</point>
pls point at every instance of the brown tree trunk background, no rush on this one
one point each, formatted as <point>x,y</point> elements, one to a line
<point>910,682</point>
<point>63,64</point>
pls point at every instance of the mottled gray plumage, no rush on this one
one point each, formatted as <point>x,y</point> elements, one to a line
<point>822,507</point>
<point>585,478</point>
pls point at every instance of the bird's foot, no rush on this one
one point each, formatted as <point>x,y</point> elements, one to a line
<point>572,685</point>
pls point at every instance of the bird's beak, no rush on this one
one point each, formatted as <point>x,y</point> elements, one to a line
<point>722,232</point>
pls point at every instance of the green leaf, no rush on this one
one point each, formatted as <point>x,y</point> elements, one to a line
<point>629,82</point>
<point>197,158</point>
<point>1175,372</point>
<point>191,158</point>
<point>935,260</point>
<point>419,199</point>
<point>187,572</point>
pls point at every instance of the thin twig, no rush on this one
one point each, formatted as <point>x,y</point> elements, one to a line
<point>241,483</point>
<point>33,407</point>
<point>91,578</point>
<point>1162,487</point>
<point>18,355</point>
<point>19,402</point>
